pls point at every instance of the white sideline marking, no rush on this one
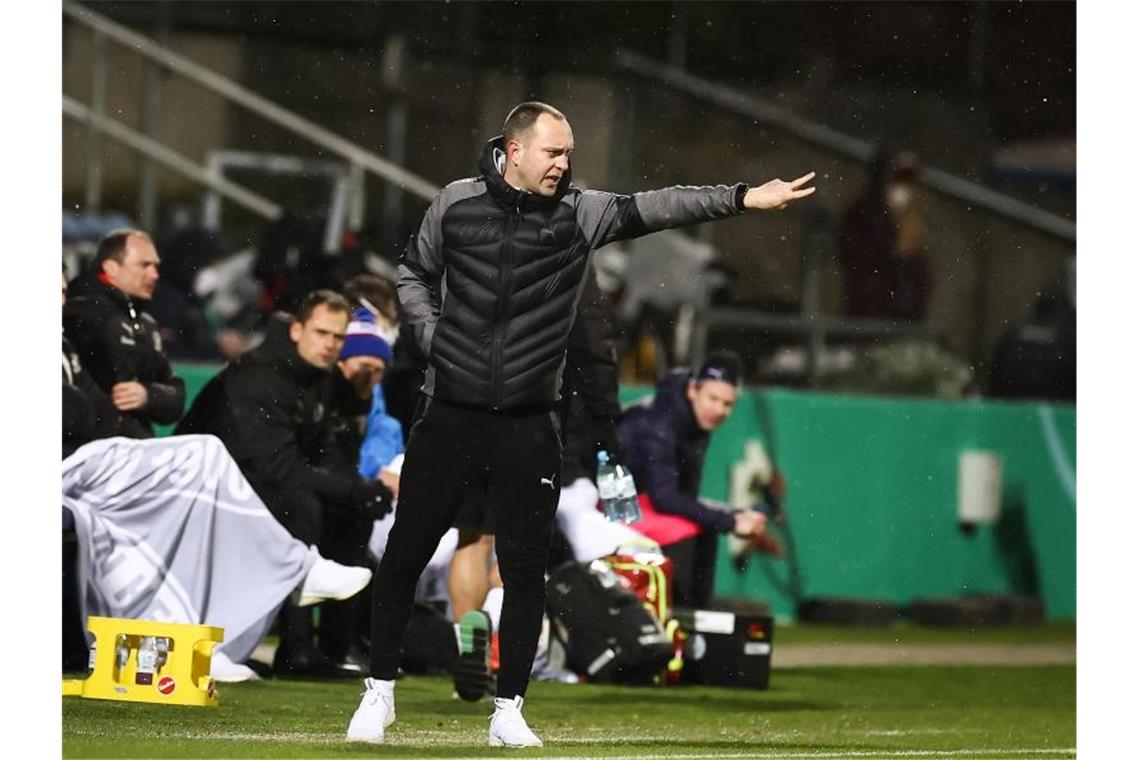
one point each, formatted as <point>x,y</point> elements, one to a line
<point>812,754</point>
<point>452,738</point>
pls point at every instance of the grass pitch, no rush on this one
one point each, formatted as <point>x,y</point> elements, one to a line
<point>840,712</point>
<point>965,711</point>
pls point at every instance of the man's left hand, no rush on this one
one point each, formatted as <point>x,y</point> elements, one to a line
<point>777,193</point>
<point>128,396</point>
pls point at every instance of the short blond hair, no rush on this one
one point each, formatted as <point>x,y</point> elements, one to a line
<point>523,116</point>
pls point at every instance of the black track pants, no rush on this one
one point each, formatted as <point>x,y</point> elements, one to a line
<point>451,452</point>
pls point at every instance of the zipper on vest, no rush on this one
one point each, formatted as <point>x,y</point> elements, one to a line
<point>505,266</point>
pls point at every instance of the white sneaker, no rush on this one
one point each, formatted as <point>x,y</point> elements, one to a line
<point>508,726</point>
<point>329,580</point>
<point>376,712</point>
<point>225,670</point>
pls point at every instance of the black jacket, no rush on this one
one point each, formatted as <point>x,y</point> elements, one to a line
<point>589,406</point>
<point>491,280</point>
<point>88,413</point>
<point>665,450</point>
<point>117,341</point>
<point>271,409</point>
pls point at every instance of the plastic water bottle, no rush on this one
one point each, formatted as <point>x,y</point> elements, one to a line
<point>122,652</point>
<point>162,645</point>
<point>148,661</point>
<point>617,491</point>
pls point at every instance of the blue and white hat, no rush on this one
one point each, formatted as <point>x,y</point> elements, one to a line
<point>364,338</point>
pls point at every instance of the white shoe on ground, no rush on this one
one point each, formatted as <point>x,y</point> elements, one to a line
<point>225,670</point>
<point>508,726</point>
<point>328,580</point>
<point>376,712</point>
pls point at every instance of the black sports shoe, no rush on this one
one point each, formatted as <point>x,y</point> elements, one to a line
<point>354,659</point>
<point>309,663</point>
<point>472,670</point>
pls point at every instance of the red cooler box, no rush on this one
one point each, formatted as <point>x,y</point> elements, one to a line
<point>725,648</point>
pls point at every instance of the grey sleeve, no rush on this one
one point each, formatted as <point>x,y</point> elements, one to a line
<point>606,217</point>
<point>419,274</point>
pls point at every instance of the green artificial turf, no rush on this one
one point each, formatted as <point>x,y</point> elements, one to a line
<point>857,712</point>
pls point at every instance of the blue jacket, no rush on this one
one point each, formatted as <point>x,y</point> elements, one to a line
<point>383,437</point>
<point>665,451</point>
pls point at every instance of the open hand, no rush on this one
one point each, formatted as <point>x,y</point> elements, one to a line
<point>777,193</point>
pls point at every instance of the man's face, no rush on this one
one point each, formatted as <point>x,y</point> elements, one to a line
<point>538,160</point>
<point>137,274</point>
<point>320,337</point>
<point>712,402</point>
<point>362,371</point>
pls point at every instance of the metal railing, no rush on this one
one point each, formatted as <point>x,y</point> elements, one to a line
<point>273,164</point>
<point>360,160</point>
<point>778,117</point>
<point>151,148</point>
<point>811,324</point>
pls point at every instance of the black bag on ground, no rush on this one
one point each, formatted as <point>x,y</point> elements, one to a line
<point>608,634</point>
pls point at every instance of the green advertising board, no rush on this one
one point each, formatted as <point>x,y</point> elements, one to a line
<point>872,497</point>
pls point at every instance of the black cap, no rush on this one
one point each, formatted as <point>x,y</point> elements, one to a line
<point>723,367</point>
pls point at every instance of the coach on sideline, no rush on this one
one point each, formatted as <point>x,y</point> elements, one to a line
<point>490,285</point>
<point>117,341</point>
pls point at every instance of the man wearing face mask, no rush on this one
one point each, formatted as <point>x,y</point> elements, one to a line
<point>881,243</point>
<point>489,286</point>
<point>117,341</point>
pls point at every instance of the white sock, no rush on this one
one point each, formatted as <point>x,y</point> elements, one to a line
<point>493,606</point>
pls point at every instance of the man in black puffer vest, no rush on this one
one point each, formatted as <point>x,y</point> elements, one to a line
<point>489,285</point>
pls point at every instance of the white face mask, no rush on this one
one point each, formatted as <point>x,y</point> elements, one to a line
<point>206,282</point>
<point>899,196</point>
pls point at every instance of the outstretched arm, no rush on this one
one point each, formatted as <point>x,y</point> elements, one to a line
<point>606,217</point>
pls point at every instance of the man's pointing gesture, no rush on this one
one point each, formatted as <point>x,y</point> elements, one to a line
<point>777,193</point>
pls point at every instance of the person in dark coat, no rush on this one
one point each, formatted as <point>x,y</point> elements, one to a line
<point>490,285</point>
<point>117,341</point>
<point>882,242</point>
<point>87,413</point>
<point>665,444</point>
<point>275,409</point>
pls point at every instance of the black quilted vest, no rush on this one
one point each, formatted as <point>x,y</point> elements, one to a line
<point>515,264</point>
